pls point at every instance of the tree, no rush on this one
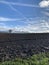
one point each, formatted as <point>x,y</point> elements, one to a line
<point>10,30</point>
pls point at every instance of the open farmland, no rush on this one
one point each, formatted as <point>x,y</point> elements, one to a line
<point>22,44</point>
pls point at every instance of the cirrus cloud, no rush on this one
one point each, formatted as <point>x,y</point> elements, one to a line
<point>9,19</point>
<point>45,13</point>
<point>18,4</point>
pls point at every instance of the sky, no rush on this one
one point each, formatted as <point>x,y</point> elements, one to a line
<point>30,16</point>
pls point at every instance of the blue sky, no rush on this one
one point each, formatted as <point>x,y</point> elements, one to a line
<point>24,15</point>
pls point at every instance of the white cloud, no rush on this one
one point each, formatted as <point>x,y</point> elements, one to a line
<point>17,3</point>
<point>44,3</point>
<point>41,27</point>
<point>28,28</point>
<point>45,13</point>
<point>9,19</point>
